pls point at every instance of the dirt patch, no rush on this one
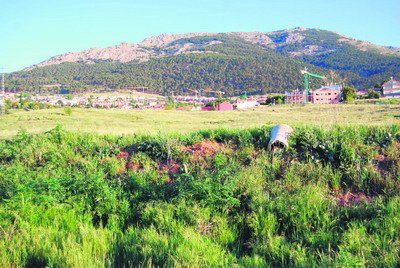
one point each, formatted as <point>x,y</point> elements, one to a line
<point>171,167</point>
<point>134,166</point>
<point>127,152</point>
<point>203,148</point>
<point>123,155</point>
<point>384,164</point>
<point>201,152</point>
<point>350,199</point>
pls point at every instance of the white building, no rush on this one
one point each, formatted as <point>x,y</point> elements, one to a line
<point>246,104</point>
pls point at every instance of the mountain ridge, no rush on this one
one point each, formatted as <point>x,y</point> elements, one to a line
<point>152,47</point>
<point>232,62</point>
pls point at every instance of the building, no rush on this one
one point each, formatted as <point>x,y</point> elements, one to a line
<point>302,96</point>
<point>391,88</point>
<point>327,94</point>
<point>246,104</point>
<point>224,106</point>
<point>361,92</point>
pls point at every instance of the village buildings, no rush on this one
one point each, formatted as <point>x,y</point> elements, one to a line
<point>327,94</point>
<point>224,106</point>
<point>391,88</point>
<point>246,104</point>
<point>298,96</point>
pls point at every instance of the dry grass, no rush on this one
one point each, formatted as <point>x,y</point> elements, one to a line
<point>151,122</point>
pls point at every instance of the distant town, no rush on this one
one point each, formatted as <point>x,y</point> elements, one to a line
<point>132,100</point>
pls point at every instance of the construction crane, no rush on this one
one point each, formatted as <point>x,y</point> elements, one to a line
<point>136,88</point>
<point>215,91</point>
<point>195,91</point>
<point>307,74</point>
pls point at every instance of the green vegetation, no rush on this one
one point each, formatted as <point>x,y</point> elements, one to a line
<point>349,94</point>
<point>233,65</point>
<point>209,198</point>
<point>229,73</point>
<point>363,68</point>
<point>68,110</point>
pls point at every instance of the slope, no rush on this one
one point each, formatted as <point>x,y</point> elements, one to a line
<point>233,62</point>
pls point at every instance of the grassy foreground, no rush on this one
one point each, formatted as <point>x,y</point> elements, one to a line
<point>120,122</point>
<point>210,198</point>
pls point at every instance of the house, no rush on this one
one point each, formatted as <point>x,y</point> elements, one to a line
<point>361,92</point>
<point>327,94</point>
<point>298,97</point>
<point>224,106</point>
<point>391,88</point>
<point>246,104</point>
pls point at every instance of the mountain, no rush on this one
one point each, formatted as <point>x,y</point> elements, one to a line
<point>234,62</point>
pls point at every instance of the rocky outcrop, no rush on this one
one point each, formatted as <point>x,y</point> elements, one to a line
<point>395,49</point>
<point>123,52</point>
<point>160,46</point>
<point>164,39</point>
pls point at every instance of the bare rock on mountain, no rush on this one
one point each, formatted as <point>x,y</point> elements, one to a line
<point>163,46</point>
<point>164,39</point>
<point>254,37</point>
<point>294,38</point>
<point>395,49</point>
<point>123,52</point>
<point>310,50</point>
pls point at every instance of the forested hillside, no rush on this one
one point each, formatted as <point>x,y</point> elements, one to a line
<point>232,74</point>
<point>232,62</point>
<point>333,52</point>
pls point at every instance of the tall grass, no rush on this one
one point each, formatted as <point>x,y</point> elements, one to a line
<point>85,200</point>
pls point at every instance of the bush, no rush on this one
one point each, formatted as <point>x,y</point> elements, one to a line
<point>68,110</point>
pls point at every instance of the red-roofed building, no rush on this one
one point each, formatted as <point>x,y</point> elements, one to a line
<point>391,88</point>
<point>225,106</point>
<point>298,97</point>
<point>362,92</point>
<point>327,95</point>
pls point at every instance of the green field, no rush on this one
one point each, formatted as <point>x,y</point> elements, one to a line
<point>119,122</point>
<point>201,189</point>
<point>207,199</point>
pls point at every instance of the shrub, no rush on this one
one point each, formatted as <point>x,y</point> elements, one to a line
<point>68,110</point>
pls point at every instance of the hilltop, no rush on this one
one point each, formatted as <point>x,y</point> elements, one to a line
<point>234,62</point>
<point>166,45</point>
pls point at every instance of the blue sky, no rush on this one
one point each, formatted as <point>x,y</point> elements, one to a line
<point>33,31</point>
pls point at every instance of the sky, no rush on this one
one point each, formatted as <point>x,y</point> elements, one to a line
<point>35,30</point>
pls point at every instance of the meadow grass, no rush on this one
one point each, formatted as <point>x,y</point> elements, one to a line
<point>212,198</point>
<point>119,122</point>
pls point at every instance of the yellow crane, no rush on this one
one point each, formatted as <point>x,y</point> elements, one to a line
<point>136,88</point>
<point>215,91</point>
<point>193,90</point>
